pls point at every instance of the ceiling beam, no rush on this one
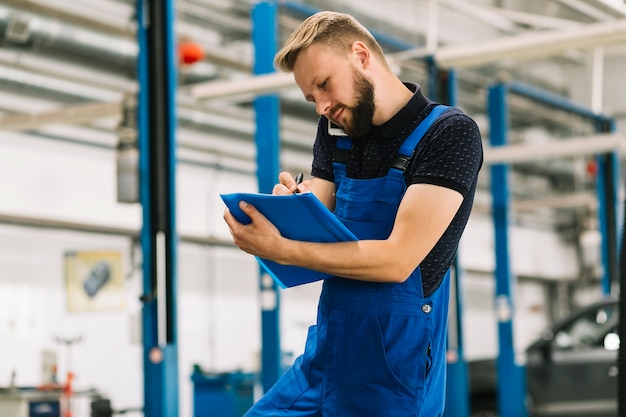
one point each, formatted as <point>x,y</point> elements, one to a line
<point>573,147</point>
<point>584,8</point>
<point>533,20</point>
<point>260,84</point>
<point>614,6</point>
<point>532,45</point>
<point>66,115</point>
<point>561,201</point>
<point>481,14</point>
<point>97,22</point>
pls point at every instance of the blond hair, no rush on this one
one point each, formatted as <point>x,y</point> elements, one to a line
<point>338,30</point>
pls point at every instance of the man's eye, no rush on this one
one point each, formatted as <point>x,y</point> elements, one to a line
<point>324,84</point>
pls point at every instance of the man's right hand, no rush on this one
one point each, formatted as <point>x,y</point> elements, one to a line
<point>287,185</point>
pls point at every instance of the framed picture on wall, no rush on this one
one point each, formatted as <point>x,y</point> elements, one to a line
<point>94,280</point>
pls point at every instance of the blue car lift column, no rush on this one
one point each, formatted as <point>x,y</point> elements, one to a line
<point>608,178</point>
<point>156,74</point>
<point>265,40</point>
<point>511,377</point>
<point>610,225</point>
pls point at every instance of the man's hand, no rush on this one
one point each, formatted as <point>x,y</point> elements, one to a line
<point>260,237</point>
<point>287,185</point>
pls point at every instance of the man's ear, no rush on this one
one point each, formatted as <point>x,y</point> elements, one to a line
<point>362,53</point>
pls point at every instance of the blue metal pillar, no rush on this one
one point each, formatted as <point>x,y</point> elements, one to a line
<point>452,92</point>
<point>265,39</point>
<point>511,377</point>
<point>156,126</point>
<point>457,382</point>
<point>438,88</point>
<point>608,181</point>
<point>608,178</point>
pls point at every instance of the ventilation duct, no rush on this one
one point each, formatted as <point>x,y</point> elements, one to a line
<point>48,37</point>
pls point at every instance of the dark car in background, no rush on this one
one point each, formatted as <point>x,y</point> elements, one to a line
<point>570,371</point>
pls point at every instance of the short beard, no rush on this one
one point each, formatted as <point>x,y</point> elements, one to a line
<point>363,110</point>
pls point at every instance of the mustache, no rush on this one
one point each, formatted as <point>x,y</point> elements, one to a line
<point>334,110</point>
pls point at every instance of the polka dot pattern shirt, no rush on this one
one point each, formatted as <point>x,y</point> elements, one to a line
<point>449,155</point>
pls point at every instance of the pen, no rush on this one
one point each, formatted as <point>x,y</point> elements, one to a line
<point>299,179</point>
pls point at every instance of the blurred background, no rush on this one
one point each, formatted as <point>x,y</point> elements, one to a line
<point>121,123</point>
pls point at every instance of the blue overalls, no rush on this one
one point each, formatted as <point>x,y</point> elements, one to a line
<point>378,349</point>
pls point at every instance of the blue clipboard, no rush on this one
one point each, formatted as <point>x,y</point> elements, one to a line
<point>299,217</point>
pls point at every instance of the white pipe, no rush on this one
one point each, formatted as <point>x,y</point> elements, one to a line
<point>532,45</point>
<point>259,84</point>
<point>71,114</point>
<point>92,17</point>
<point>615,6</point>
<point>481,14</point>
<point>533,20</point>
<point>432,33</point>
<point>597,79</point>
<point>572,200</point>
<point>595,144</point>
<point>59,224</point>
<point>398,57</point>
<point>48,86</point>
<point>88,42</point>
<point>583,6</point>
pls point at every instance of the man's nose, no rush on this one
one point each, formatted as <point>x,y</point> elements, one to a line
<point>322,107</point>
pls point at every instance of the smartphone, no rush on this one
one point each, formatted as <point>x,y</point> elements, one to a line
<point>335,130</point>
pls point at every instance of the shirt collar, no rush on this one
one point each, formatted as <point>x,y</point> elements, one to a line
<point>408,114</point>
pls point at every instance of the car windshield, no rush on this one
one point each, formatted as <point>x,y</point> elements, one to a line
<point>588,330</point>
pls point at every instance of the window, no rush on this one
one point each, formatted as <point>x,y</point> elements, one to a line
<point>588,330</point>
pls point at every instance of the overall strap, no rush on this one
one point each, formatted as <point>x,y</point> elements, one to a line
<point>407,149</point>
<point>340,159</point>
<point>344,145</point>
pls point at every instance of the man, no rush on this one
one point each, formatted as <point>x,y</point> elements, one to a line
<point>403,181</point>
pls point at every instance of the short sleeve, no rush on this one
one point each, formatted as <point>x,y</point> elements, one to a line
<point>450,155</point>
<point>323,152</point>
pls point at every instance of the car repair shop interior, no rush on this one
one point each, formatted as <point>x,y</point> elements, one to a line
<point>123,294</point>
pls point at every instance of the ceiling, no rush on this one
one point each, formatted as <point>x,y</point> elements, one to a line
<point>66,67</point>
<point>85,50</point>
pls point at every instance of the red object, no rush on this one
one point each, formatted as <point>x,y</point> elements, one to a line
<point>592,168</point>
<point>67,394</point>
<point>189,53</point>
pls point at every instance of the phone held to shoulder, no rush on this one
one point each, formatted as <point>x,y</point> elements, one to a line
<point>335,130</point>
